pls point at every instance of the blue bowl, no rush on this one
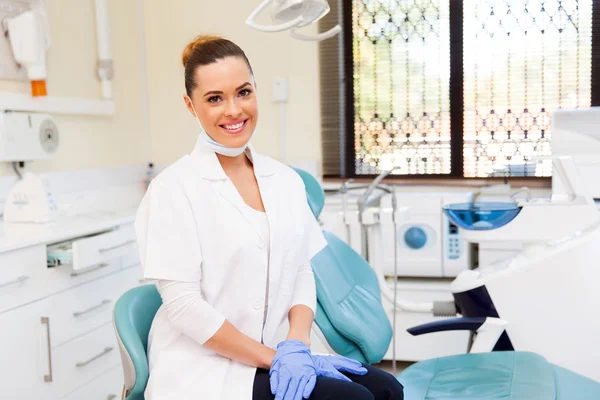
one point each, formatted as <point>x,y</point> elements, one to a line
<point>481,216</point>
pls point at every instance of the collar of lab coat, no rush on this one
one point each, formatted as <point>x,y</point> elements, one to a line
<point>212,169</point>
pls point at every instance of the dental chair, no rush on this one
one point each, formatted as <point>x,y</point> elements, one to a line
<point>354,324</point>
<point>132,318</point>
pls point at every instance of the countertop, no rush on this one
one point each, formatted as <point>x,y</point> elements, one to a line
<point>15,236</point>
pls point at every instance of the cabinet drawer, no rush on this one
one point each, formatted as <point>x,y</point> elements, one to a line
<point>91,251</point>
<point>83,308</point>
<point>22,277</point>
<point>107,386</point>
<point>83,359</point>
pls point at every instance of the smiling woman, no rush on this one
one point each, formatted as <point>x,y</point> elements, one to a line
<point>220,90</point>
<point>228,235</point>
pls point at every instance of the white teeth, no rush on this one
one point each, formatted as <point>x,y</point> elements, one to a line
<point>233,127</point>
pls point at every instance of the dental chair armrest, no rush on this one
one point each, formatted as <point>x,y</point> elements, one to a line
<point>487,330</point>
<point>451,324</point>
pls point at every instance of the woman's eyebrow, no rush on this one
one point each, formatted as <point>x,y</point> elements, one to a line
<point>220,92</point>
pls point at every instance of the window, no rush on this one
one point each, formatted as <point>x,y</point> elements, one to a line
<point>451,88</point>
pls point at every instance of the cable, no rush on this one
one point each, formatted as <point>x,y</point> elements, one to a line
<point>394,207</point>
<point>16,168</point>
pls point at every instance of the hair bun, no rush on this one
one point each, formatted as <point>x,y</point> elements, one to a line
<point>194,44</point>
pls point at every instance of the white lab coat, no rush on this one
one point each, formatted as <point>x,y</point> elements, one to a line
<point>193,226</point>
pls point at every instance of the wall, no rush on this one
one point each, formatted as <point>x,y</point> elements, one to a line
<point>171,25</point>
<point>91,142</point>
<point>98,142</point>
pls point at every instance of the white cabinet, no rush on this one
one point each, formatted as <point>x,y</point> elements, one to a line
<point>107,386</point>
<point>57,336</point>
<point>25,349</point>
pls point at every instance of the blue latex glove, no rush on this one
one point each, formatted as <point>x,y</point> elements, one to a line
<point>292,375</point>
<point>331,366</point>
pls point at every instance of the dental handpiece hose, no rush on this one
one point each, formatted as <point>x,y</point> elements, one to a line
<point>361,208</point>
<point>344,191</point>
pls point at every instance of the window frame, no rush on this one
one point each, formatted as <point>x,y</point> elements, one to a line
<point>456,175</point>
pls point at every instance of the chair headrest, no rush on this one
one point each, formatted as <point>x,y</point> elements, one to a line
<point>314,192</point>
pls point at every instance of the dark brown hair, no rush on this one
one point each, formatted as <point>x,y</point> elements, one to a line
<point>204,50</point>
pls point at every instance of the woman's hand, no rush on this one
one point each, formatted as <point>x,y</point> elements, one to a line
<point>293,375</point>
<point>331,366</point>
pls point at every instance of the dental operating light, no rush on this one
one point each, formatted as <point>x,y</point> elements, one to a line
<point>293,14</point>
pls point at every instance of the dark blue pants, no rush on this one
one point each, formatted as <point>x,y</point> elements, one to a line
<point>375,385</point>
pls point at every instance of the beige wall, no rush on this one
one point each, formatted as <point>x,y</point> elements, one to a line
<point>170,25</point>
<point>96,142</point>
<point>85,141</point>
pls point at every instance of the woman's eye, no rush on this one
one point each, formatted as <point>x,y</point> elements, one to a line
<point>213,99</point>
<point>245,92</point>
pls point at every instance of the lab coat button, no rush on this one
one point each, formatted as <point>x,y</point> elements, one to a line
<point>261,244</point>
<point>257,305</point>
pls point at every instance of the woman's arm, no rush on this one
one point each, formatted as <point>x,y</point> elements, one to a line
<point>231,343</point>
<point>304,304</point>
<point>301,319</point>
<point>193,316</point>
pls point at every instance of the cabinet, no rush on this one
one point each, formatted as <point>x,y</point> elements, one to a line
<point>58,340</point>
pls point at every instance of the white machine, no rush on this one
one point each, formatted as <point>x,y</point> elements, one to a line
<point>293,14</point>
<point>429,245</point>
<point>29,37</point>
<point>547,294</point>
<point>28,137</point>
<point>576,133</point>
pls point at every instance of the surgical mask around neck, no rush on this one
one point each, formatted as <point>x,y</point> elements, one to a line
<point>218,147</point>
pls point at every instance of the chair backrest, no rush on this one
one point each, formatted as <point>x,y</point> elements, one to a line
<point>132,318</point>
<point>349,309</point>
<point>314,192</point>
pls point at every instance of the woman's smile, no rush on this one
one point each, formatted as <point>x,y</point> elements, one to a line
<point>236,126</point>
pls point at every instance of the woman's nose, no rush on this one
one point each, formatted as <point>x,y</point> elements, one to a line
<point>232,108</point>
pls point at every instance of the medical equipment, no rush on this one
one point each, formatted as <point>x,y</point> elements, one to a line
<point>576,133</point>
<point>30,201</point>
<point>363,202</point>
<point>352,319</point>
<point>293,14</point>
<point>27,137</point>
<point>547,293</point>
<point>104,65</point>
<point>344,193</point>
<point>30,39</point>
<point>428,243</point>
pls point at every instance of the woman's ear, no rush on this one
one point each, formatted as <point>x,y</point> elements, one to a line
<point>188,103</point>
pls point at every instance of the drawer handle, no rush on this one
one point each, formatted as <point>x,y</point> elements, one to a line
<point>84,363</point>
<point>116,247</point>
<point>111,397</point>
<point>20,279</point>
<point>97,267</point>
<point>46,321</point>
<point>103,303</point>
<point>132,265</point>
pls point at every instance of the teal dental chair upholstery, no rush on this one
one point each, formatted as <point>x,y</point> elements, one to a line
<point>353,321</point>
<point>132,318</point>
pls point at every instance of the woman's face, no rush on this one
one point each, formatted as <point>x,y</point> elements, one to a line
<point>225,101</point>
